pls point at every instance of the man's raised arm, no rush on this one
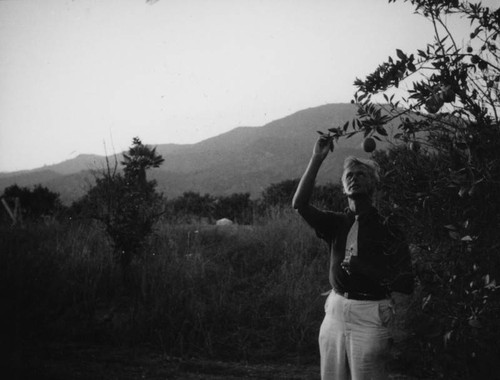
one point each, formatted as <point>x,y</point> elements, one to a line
<point>304,191</point>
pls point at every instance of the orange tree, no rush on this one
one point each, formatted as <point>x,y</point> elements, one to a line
<point>443,181</point>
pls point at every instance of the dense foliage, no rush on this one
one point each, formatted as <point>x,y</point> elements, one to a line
<point>455,254</point>
<point>443,182</point>
<point>34,203</point>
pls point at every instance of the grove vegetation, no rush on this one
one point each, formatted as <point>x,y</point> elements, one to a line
<point>442,182</point>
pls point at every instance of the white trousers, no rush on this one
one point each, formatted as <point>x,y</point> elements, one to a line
<point>354,340</point>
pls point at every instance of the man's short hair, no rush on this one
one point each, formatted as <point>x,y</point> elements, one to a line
<point>371,166</point>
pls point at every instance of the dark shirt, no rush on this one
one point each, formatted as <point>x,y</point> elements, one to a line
<point>381,246</point>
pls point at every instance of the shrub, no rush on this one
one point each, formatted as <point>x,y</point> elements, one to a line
<point>34,203</point>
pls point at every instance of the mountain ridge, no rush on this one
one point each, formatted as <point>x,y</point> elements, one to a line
<point>244,159</point>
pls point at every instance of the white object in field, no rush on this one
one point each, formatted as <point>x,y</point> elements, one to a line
<point>224,222</point>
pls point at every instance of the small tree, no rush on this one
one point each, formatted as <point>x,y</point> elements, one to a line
<point>127,204</point>
<point>140,158</point>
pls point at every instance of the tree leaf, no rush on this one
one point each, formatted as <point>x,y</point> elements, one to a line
<point>381,131</point>
<point>425,301</point>
<point>422,53</point>
<point>474,322</point>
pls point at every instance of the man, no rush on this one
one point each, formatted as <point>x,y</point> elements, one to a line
<point>369,259</point>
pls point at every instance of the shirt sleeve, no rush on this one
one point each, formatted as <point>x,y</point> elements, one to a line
<point>325,223</point>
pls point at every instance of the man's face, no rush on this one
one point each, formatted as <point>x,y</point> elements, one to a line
<point>357,180</point>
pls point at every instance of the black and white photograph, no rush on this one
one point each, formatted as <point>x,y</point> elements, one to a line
<point>250,189</point>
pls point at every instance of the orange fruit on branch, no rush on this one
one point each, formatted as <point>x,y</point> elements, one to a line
<point>369,144</point>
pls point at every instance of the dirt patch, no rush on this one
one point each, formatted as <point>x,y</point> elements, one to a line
<point>80,362</point>
<point>65,362</point>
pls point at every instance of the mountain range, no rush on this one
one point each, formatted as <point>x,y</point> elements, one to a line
<point>245,159</point>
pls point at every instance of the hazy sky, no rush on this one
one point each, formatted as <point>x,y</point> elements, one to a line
<point>78,74</point>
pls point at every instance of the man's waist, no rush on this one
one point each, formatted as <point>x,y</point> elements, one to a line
<point>361,296</point>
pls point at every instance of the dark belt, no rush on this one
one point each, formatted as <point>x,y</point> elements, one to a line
<point>363,296</point>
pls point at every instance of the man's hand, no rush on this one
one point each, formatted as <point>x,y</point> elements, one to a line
<point>323,146</point>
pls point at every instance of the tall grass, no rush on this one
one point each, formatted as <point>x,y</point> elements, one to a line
<point>239,293</point>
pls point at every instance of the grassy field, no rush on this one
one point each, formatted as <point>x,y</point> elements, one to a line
<point>198,294</point>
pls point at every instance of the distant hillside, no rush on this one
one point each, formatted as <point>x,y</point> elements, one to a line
<point>27,177</point>
<point>245,159</point>
<point>79,163</point>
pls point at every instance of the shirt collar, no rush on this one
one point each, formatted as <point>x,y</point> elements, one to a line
<point>372,211</point>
